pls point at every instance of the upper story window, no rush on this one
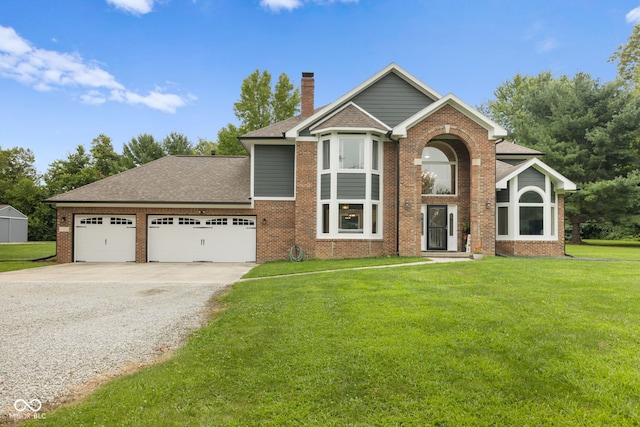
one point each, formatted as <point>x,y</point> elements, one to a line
<point>351,153</point>
<point>375,157</point>
<point>439,170</point>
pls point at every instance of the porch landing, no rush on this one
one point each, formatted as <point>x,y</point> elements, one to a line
<point>445,254</point>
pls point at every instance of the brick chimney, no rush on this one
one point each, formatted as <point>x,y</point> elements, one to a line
<point>308,85</point>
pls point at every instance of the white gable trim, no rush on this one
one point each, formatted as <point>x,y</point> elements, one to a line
<point>562,183</point>
<point>393,67</point>
<point>383,128</point>
<point>495,130</point>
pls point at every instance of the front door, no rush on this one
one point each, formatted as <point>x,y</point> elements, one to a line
<point>439,228</point>
<point>436,227</point>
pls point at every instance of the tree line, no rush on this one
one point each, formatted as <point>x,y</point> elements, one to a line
<point>21,186</point>
<point>589,131</point>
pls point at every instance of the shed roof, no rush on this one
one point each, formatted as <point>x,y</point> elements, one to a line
<point>172,179</point>
<point>7,211</point>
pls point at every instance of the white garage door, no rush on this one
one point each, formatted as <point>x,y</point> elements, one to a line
<point>201,239</point>
<point>105,238</point>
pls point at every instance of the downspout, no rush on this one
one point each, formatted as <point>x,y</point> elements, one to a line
<point>397,141</point>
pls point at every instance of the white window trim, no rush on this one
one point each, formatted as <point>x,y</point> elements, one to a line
<point>549,200</point>
<point>334,202</point>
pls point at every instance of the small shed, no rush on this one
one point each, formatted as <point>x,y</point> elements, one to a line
<point>13,225</point>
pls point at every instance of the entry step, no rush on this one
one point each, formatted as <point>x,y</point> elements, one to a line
<point>445,254</point>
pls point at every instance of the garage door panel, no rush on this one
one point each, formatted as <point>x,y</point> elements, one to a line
<point>201,239</point>
<point>102,238</point>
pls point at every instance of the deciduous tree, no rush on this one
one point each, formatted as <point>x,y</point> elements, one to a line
<point>105,159</point>
<point>176,143</point>
<point>71,173</point>
<point>141,150</point>
<point>228,144</point>
<point>259,106</point>
<point>628,59</point>
<point>205,147</point>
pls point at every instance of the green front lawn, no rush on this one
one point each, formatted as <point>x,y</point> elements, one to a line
<point>499,342</point>
<point>606,249</point>
<point>18,256</point>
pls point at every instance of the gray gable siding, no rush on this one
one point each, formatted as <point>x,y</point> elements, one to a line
<point>274,170</point>
<point>392,100</point>
<point>531,177</point>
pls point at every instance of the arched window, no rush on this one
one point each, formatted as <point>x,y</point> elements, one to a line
<point>439,170</point>
<point>527,208</point>
<point>531,205</point>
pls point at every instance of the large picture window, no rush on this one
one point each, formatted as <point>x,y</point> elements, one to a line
<point>439,169</point>
<point>350,218</point>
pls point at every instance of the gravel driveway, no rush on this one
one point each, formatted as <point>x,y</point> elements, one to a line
<point>65,326</point>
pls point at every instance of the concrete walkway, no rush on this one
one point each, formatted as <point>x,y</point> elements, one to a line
<point>409,264</point>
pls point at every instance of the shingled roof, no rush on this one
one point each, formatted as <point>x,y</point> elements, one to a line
<point>512,149</point>
<point>275,130</point>
<point>172,179</point>
<point>503,169</point>
<point>351,116</point>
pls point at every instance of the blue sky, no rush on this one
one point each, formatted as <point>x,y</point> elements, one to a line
<point>72,69</point>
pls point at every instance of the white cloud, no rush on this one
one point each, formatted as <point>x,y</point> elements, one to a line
<point>277,5</point>
<point>137,7</point>
<point>93,97</point>
<point>166,102</point>
<point>46,70</point>
<point>633,17</point>
<point>546,45</point>
<point>11,42</point>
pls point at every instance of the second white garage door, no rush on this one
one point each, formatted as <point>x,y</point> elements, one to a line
<point>201,239</point>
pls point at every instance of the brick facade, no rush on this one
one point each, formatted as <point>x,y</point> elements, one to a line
<point>476,186</point>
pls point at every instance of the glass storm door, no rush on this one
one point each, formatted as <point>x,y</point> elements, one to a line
<point>436,227</point>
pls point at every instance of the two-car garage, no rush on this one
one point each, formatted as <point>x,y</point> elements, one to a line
<point>169,238</point>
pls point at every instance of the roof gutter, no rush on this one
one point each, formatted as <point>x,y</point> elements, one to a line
<point>176,205</point>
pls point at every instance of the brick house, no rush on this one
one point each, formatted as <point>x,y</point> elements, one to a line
<point>391,167</point>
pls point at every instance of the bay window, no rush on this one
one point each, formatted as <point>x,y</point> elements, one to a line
<point>349,185</point>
